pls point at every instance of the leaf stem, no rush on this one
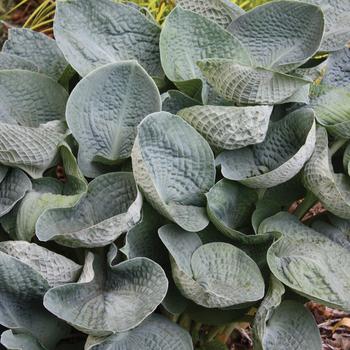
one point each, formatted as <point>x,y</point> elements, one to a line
<point>309,201</point>
<point>185,322</point>
<point>337,145</point>
<point>214,331</point>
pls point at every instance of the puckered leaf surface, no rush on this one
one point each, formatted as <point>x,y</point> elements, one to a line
<point>156,332</point>
<point>92,34</point>
<point>288,145</point>
<point>9,62</point>
<point>174,167</point>
<point>229,127</point>
<point>109,298</point>
<point>104,110</point>
<point>38,49</point>
<point>110,207</point>
<point>211,274</point>
<point>312,263</point>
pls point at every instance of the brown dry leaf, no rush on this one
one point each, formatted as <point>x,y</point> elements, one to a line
<point>345,322</point>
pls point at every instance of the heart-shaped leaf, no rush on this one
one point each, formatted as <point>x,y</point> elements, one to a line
<point>110,207</point>
<point>132,289</point>
<point>156,332</point>
<point>229,127</point>
<point>289,143</point>
<point>104,110</point>
<point>12,189</point>
<point>280,35</point>
<point>92,34</point>
<point>333,190</point>
<point>312,263</point>
<point>188,37</point>
<point>222,12</point>
<point>38,49</point>
<point>211,274</point>
<point>174,175</point>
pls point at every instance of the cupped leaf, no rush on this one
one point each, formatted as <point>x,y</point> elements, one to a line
<point>12,189</point>
<point>214,275</point>
<point>26,273</point>
<point>156,332</point>
<point>246,84</point>
<point>10,62</point>
<point>38,49</point>
<point>47,193</point>
<point>172,173</point>
<point>105,108</point>
<point>110,207</point>
<point>229,127</point>
<point>332,111</point>
<point>289,143</point>
<point>338,69</point>
<point>312,263</point>
<point>30,99</point>
<point>92,34</point>
<point>332,189</point>
<point>337,18</point>
<point>15,340</point>
<point>222,12</point>
<point>280,35</point>
<point>229,207</point>
<point>175,100</point>
<point>109,298</point>
<point>188,37</point>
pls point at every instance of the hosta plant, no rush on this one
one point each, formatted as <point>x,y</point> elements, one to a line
<point>156,181</point>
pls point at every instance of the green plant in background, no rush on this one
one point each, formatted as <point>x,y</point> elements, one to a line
<point>148,175</point>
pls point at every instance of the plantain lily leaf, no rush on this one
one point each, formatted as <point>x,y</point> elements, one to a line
<point>229,127</point>
<point>3,172</point>
<point>333,190</point>
<point>26,272</point>
<point>337,28</point>
<point>312,263</point>
<point>38,49</point>
<point>14,340</point>
<point>142,240</point>
<point>92,34</point>
<point>156,332</point>
<point>222,12</point>
<point>212,274</point>
<point>110,207</point>
<point>245,84</point>
<point>12,189</point>
<point>47,193</point>
<point>105,108</point>
<point>188,37</point>
<point>175,100</point>
<point>230,206</point>
<point>10,62</point>
<point>174,175</point>
<point>281,35</point>
<point>134,288</point>
<point>332,111</point>
<point>338,69</point>
<point>288,145</point>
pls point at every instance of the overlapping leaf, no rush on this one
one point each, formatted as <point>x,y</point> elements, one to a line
<point>229,127</point>
<point>175,100</point>
<point>38,49</point>
<point>9,62</point>
<point>332,189</point>
<point>288,145</point>
<point>27,271</point>
<point>104,110</point>
<point>110,207</point>
<point>131,289</point>
<point>92,34</point>
<point>14,340</point>
<point>312,263</point>
<point>214,275</point>
<point>156,332</point>
<point>174,175</point>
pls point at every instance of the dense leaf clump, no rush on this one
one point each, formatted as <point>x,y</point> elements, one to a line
<point>154,173</point>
